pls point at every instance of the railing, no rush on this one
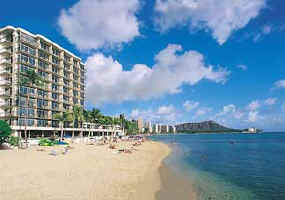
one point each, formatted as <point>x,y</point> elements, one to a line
<point>4,82</point>
<point>5,51</point>
<point>5,39</point>
<point>5,61</point>
<point>28,39</point>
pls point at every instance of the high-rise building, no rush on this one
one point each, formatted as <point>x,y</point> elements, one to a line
<point>140,125</point>
<point>63,72</point>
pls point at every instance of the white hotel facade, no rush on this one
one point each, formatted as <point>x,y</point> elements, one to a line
<point>64,73</point>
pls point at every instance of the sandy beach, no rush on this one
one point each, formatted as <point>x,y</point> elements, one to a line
<point>88,172</point>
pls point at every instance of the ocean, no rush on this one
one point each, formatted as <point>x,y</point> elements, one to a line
<point>230,166</point>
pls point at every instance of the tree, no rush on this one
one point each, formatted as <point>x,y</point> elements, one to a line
<point>62,117</point>
<point>95,115</point>
<point>77,117</point>
<point>87,118</point>
<point>5,131</point>
<point>30,78</point>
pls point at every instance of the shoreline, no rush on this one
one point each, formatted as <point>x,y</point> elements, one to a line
<point>173,184</point>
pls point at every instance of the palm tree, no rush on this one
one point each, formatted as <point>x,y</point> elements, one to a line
<point>62,117</point>
<point>95,115</point>
<point>77,116</point>
<point>87,118</point>
<point>30,78</point>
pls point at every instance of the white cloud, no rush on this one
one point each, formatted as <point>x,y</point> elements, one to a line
<point>253,116</point>
<point>242,67</point>
<point>92,24</point>
<point>280,84</point>
<point>165,110</point>
<point>107,81</point>
<point>161,114</point>
<point>227,109</point>
<point>190,105</point>
<point>230,111</point>
<point>221,17</point>
<point>254,105</point>
<point>270,101</point>
<point>202,111</point>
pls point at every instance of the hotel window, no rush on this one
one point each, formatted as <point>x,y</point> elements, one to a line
<point>42,113</point>
<point>75,77</point>
<point>82,67</point>
<point>66,82</point>
<point>66,58</point>
<point>54,87</point>
<point>54,96</point>
<point>65,90</point>
<point>75,93</point>
<point>28,49</point>
<point>25,68</point>
<point>43,74</point>
<point>42,93</point>
<point>82,102</point>
<point>26,90</point>
<point>55,51</point>
<point>30,112</point>
<point>65,98</point>
<point>43,55</point>
<point>66,66</point>
<point>42,123</point>
<point>54,105</point>
<point>66,106</point>
<point>75,70</point>
<point>42,103</point>
<point>28,38</point>
<point>54,123</point>
<point>54,69</point>
<point>82,80</point>
<point>43,64</point>
<point>81,94</point>
<point>75,85</point>
<point>44,46</point>
<point>21,122</point>
<point>27,59</point>
<point>54,78</point>
<point>75,100</point>
<point>55,60</point>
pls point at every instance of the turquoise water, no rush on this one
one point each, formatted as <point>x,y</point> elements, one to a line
<point>231,166</point>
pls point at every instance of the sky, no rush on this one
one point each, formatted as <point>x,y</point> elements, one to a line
<point>172,61</point>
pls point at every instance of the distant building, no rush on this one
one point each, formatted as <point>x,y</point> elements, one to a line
<point>148,126</point>
<point>156,128</point>
<point>140,125</point>
<point>164,128</point>
<point>172,129</point>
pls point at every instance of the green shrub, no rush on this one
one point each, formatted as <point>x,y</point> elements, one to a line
<point>45,142</point>
<point>5,131</point>
<point>14,141</point>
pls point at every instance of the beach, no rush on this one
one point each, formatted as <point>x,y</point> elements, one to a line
<point>88,172</point>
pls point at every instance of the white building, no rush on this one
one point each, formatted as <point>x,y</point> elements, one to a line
<point>32,108</point>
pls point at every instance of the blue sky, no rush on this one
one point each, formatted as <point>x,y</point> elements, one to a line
<point>172,61</point>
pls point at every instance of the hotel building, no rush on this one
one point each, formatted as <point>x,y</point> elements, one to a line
<point>63,72</point>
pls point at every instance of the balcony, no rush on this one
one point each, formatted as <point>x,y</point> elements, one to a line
<point>5,40</point>
<point>5,51</point>
<point>28,39</point>
<point>5,93</point>
<point>5,104</point>
<point>5,62</point>
<point>4,82</point>
<point>5,72</point>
